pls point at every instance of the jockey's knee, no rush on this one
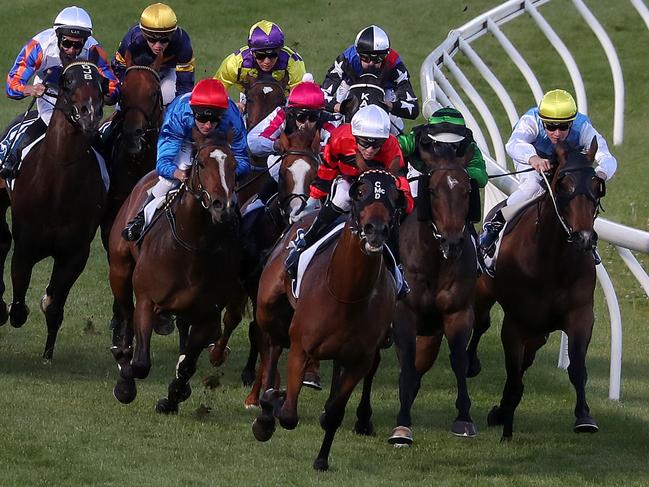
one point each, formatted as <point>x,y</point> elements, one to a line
<point>163,186</point>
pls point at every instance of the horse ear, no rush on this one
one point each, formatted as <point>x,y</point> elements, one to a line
<point>469,152</point>
<point>360,162</point>
<point>592,150</point>
<point>283,142</point>
<point>354,192</point>
<point>246,82</point>
<point>348,107</point>
<point>315,143</point>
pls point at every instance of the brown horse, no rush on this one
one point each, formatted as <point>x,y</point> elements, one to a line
<point>58,199</point>
<point>544,281</point>
<point>299,159</point>
<point>187,265</point>
<point>343,313</point>
<point>132,151</point>
<point>440,265</point>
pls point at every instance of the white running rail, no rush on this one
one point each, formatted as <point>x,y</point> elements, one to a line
<point>439,90</point>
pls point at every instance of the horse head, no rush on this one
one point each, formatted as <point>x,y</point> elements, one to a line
<point>212,177</point>
<point>444,193</point>
<point>300,156</point>
<point>366,91</point>
<point>577,191</point>
<point>262,97</point>
<point>377,204</point>
<point>141,103</point>
<point>81,95</point>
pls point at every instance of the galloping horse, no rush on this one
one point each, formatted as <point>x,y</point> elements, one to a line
<point>544,281</point>
<point>299,158</point>
<point>343,313</point>
<point>133,152</point>
<point>58,199</point>
<point>187,264</point>
<point>440,265</point>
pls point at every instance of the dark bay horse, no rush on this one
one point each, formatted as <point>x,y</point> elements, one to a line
<point>59,197</point>
<point>544,281</point>
<point>187,265</point>
<point>366,91</point>
<point>132,153</point>
<point>298,164</point>
<point>343,313</point>
<point>439,261</point>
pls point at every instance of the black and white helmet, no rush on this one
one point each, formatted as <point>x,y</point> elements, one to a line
<point>372,40</point>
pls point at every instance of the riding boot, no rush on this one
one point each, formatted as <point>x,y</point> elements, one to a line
<point>328,214</point>
<point>133,229</point>
<point>12,160</point>
<point>490,232</point>
<point>393,243</point>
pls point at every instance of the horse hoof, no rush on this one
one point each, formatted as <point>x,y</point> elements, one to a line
<point>46,300</point>
<point>288,422</point>
<point>495,417</point>
<point>401,436</point>
<point>164,324</point>
<point>125,391</point>
<point>18,313</point>
<point>586,424</point>
<point>165,406</point>
<point>247,377</point>
<point>312,380</point>
<point>321,464</point>
<point>505,439</point>
<point>366,429</point>
<point>465,429</point>
<point>475,367</point>
<point>263,428</point>
<point>4,313</point>
<point>250,406</point>
<point>218,359</point>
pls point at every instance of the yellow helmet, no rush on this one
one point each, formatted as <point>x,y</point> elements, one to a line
<point>557,106</point>
<point>158,20</point>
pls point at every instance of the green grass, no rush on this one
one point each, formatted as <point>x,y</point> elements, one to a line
<point>60,425</point>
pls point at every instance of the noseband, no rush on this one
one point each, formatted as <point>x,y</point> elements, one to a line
<point>433,227</point>
<point>285,201</point>
<point>70,110</point>
<point>152,122</point>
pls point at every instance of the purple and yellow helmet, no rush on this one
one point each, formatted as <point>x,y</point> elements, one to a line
<point>265,35</point>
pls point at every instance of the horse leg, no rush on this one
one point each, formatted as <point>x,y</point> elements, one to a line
<point>457,328</point>
<point>179,388</point>
<point>513,390</point>
<point>22,263</point>
<point>264,425</point>
<point>65,272</point>
<point>482,322</point>
<point>296,365</point>
<point>404,334</point>
<point>143,326</point>
<point>231,319</point>
<point>248,372</point>
<point>5,245</point>
<point>579,333</point>
<point>183,326</point>
<point>364,424</point>
<point>334,411</point>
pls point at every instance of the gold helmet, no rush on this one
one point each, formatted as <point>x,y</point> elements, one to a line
<point>557,106</point>
<point>158,20</point>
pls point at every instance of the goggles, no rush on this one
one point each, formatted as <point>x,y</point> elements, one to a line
<point>208,115</point>
<point>369,142</point>
<point>551,127</point>
<point>304,116</point>
<point>157,39</point>
<point>68,44</point>
<point>261,55</point>
<point>372,58</point>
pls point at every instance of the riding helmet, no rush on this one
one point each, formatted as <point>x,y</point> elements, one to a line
<point>371,121</point>
<point>265,35</point>
<point>557,106</point>
<point>74,22</point>
<point>372,40</point>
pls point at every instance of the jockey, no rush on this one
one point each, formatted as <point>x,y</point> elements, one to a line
<point>44,56</point>
<point>369,136</point>
<point>265,57</point>
<point>303,110</point>
<point>447,126</point>
<point>556,119</point>
<point>371,52</point>
<point>209,109</point>
<point>158,33</point>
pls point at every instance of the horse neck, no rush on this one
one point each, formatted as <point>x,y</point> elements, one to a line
<point>63,141</point>
<point>352,274</point>
<point>551,236</point>
<point>192,220</point>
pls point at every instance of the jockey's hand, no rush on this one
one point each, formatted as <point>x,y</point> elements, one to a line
<point>181,175</point>
<point>37,90</point>
<point>241,106</point>
<point>337,108</point>
<point>312,204</point>
<point>601,175</point>
<point>540,164</point>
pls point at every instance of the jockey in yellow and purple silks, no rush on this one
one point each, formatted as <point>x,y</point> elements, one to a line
<point>157,33</point>
<point>44,57</point>
<point>265,57</point>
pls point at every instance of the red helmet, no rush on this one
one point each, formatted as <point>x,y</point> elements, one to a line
<point>209,93</point>
<point>306,95</point>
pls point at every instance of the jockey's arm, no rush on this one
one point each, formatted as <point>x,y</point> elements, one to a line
<point>519,146</point>
<point>175,128</point>
<point>296,70</point>
<point>327,172</point>
<point>28,61</point>
<point>228,71</point>
<point>185,65</point>
<point>477,168</point>
<point>406,104</point>
<point>332,81</point>
<point>98,56</point>
<point>606,163</point>
<point>262,137</point>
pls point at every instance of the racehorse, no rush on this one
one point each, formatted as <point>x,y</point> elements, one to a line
<point>187,264</point>
<point>544,281</point>
<point>366,91</point>
<point>58,199</point>
<point>343,313</point>
<point>439,260</point>
<point>298,164</point>
<point>132,151</point>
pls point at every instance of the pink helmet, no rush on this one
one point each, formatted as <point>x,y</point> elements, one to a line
<point>306,95</point>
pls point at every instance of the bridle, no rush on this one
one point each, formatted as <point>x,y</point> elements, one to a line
<point>285,201</point>
<point>428,174</point>
<point>152,122</point>
<point>71,111</point>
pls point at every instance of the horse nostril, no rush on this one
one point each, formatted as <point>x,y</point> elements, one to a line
<point>218,204</point>
<point>368,229</point>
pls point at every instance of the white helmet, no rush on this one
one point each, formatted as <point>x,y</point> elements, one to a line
<point>371,121</point>
<point>73,21</point>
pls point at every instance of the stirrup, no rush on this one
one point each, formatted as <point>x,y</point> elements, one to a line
<point>133,229</point>
<point>296,246</point>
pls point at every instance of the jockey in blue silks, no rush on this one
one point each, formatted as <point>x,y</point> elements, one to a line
<point>209,109</point>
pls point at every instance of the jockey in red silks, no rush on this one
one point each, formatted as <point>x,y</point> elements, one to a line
<point>303,110</point>
<point>44,57</point>
<point>369,136</point>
